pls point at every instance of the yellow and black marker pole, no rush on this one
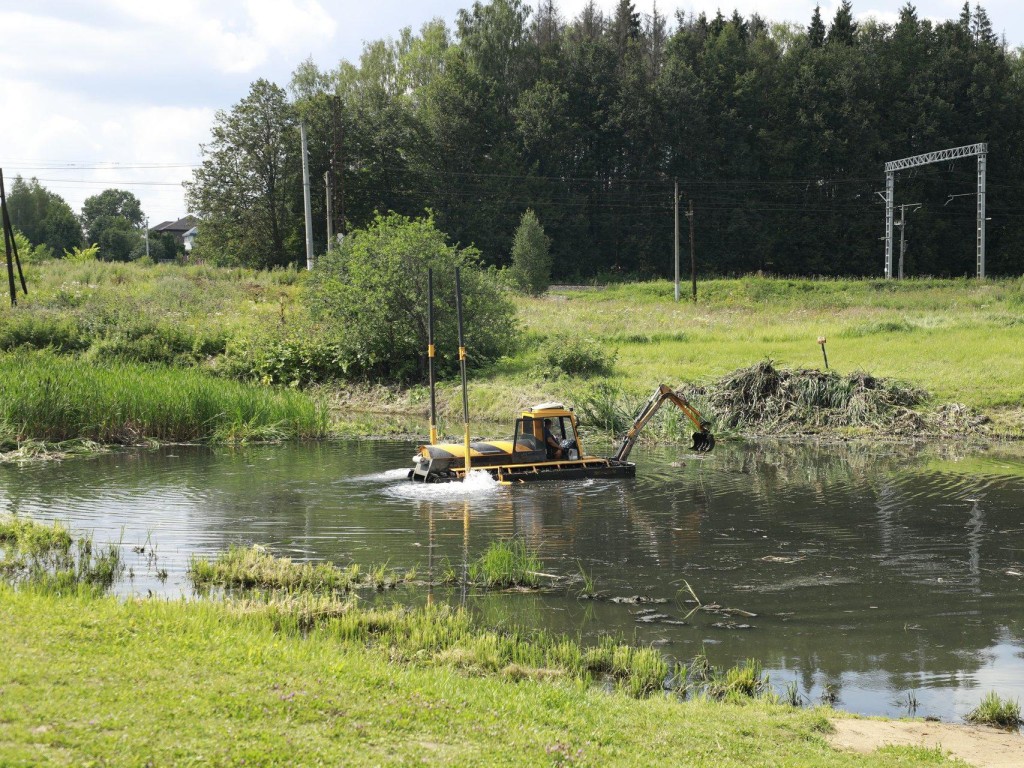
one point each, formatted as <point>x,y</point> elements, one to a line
<point>430,355</point>
<point>462,367</point>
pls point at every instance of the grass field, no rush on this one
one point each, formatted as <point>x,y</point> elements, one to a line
<point>961,340</point>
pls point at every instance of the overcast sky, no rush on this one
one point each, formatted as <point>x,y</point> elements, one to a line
<point>120,93</point>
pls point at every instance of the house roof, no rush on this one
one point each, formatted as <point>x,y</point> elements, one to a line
<point>178,227</point>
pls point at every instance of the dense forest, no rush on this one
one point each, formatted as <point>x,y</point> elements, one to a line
<point>777,135</point>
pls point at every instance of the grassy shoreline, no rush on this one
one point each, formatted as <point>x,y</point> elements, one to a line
<point>158,682</point>
<point>308,674</point>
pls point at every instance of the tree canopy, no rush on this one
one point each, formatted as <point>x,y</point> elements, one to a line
<point>43,217</point>
<point>246,187</point>
<point>113,220</point>
<point>778,133</point>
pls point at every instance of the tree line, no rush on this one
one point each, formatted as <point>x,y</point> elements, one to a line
<point>776,133</point>
<point>112,221</point>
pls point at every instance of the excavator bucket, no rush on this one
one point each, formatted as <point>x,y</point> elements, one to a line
<point>703,442</point>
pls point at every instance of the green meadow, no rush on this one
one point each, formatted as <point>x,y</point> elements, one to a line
<point>135,352</point>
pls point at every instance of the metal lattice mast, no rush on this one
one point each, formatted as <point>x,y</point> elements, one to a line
<point>982,162</point>
<point>890,184</point>
<point>970,150</point>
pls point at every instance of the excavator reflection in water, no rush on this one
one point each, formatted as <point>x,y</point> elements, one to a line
<point>546,446</point>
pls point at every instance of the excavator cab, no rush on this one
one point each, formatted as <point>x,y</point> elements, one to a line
<point>554,419</point>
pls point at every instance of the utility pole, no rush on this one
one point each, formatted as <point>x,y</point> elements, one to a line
<point>330,224</point>
<point>902,225</point>
<point>338,165</point>
<point>676,198</point>
<point>305,198</point>
<point>146,221</point>
<point>693,255</point>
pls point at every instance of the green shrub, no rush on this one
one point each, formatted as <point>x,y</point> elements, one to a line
<point>292,360</point>
<point>374,288</point>
<point>578,356</point>
<point>144,341</point>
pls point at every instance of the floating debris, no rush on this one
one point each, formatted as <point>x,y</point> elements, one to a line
<point>787,559</point>
<point>650,618</point>
<point>637,600</point>
<point>730,625</point>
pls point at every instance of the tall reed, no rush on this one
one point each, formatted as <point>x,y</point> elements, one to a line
<point>47,397</point>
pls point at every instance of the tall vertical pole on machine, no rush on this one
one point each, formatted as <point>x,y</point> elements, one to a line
<point>981,212</point>
<point>430,355</point>
<point>462,367</point>
<point>890,182</point>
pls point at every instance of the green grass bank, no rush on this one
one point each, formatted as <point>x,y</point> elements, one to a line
<point>94,680</point>
<point>961,341</point>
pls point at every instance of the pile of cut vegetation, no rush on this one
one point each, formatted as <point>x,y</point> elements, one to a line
<point>764,399</point>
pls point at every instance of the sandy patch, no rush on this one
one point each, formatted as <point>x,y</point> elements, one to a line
<point>978,746</point>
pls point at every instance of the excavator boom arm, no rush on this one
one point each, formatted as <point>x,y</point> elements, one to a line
<point>703,440</point>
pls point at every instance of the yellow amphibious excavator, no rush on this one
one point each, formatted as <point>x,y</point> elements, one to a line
<point>532,454</point>
<point>546,442</point>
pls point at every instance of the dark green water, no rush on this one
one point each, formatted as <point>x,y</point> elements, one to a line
<point>878,571</point>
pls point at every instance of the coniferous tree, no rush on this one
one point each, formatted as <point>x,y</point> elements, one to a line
<point>844,29</point>
<point>816,29</point>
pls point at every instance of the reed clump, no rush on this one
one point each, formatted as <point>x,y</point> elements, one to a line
<point>256,568</point>
<point>48,557</point>
<point>507,564</point>
<point>763,398</point>
<point>44,397</point>
<point>995,710</point>
<point>744,681</point>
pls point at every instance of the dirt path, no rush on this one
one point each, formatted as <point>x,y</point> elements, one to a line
<point>978,746</point>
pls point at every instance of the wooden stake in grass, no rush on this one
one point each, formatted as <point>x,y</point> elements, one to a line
<point>822,340</point>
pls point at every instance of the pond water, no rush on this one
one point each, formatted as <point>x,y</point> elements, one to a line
<point>885,574</point>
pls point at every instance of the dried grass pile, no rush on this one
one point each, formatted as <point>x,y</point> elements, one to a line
<point>763,399</point>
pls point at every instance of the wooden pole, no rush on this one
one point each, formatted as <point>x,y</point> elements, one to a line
<point>676,205</point>
<point>693,255</point>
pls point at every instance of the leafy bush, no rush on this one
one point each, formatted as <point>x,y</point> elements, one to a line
<point>29,253</point>
<point>375,288</point>
<point>144,341</point>
<point>83,255</point>
<point>294,360</point>
<point>578,356</point>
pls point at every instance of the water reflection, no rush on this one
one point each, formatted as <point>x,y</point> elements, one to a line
<point>873,570</point>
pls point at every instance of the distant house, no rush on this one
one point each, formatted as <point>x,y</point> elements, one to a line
<point>189,238</point>
<point>178,229</point>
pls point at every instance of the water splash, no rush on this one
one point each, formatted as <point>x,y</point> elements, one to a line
<point>387,476</point>
<point>477,483</point>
